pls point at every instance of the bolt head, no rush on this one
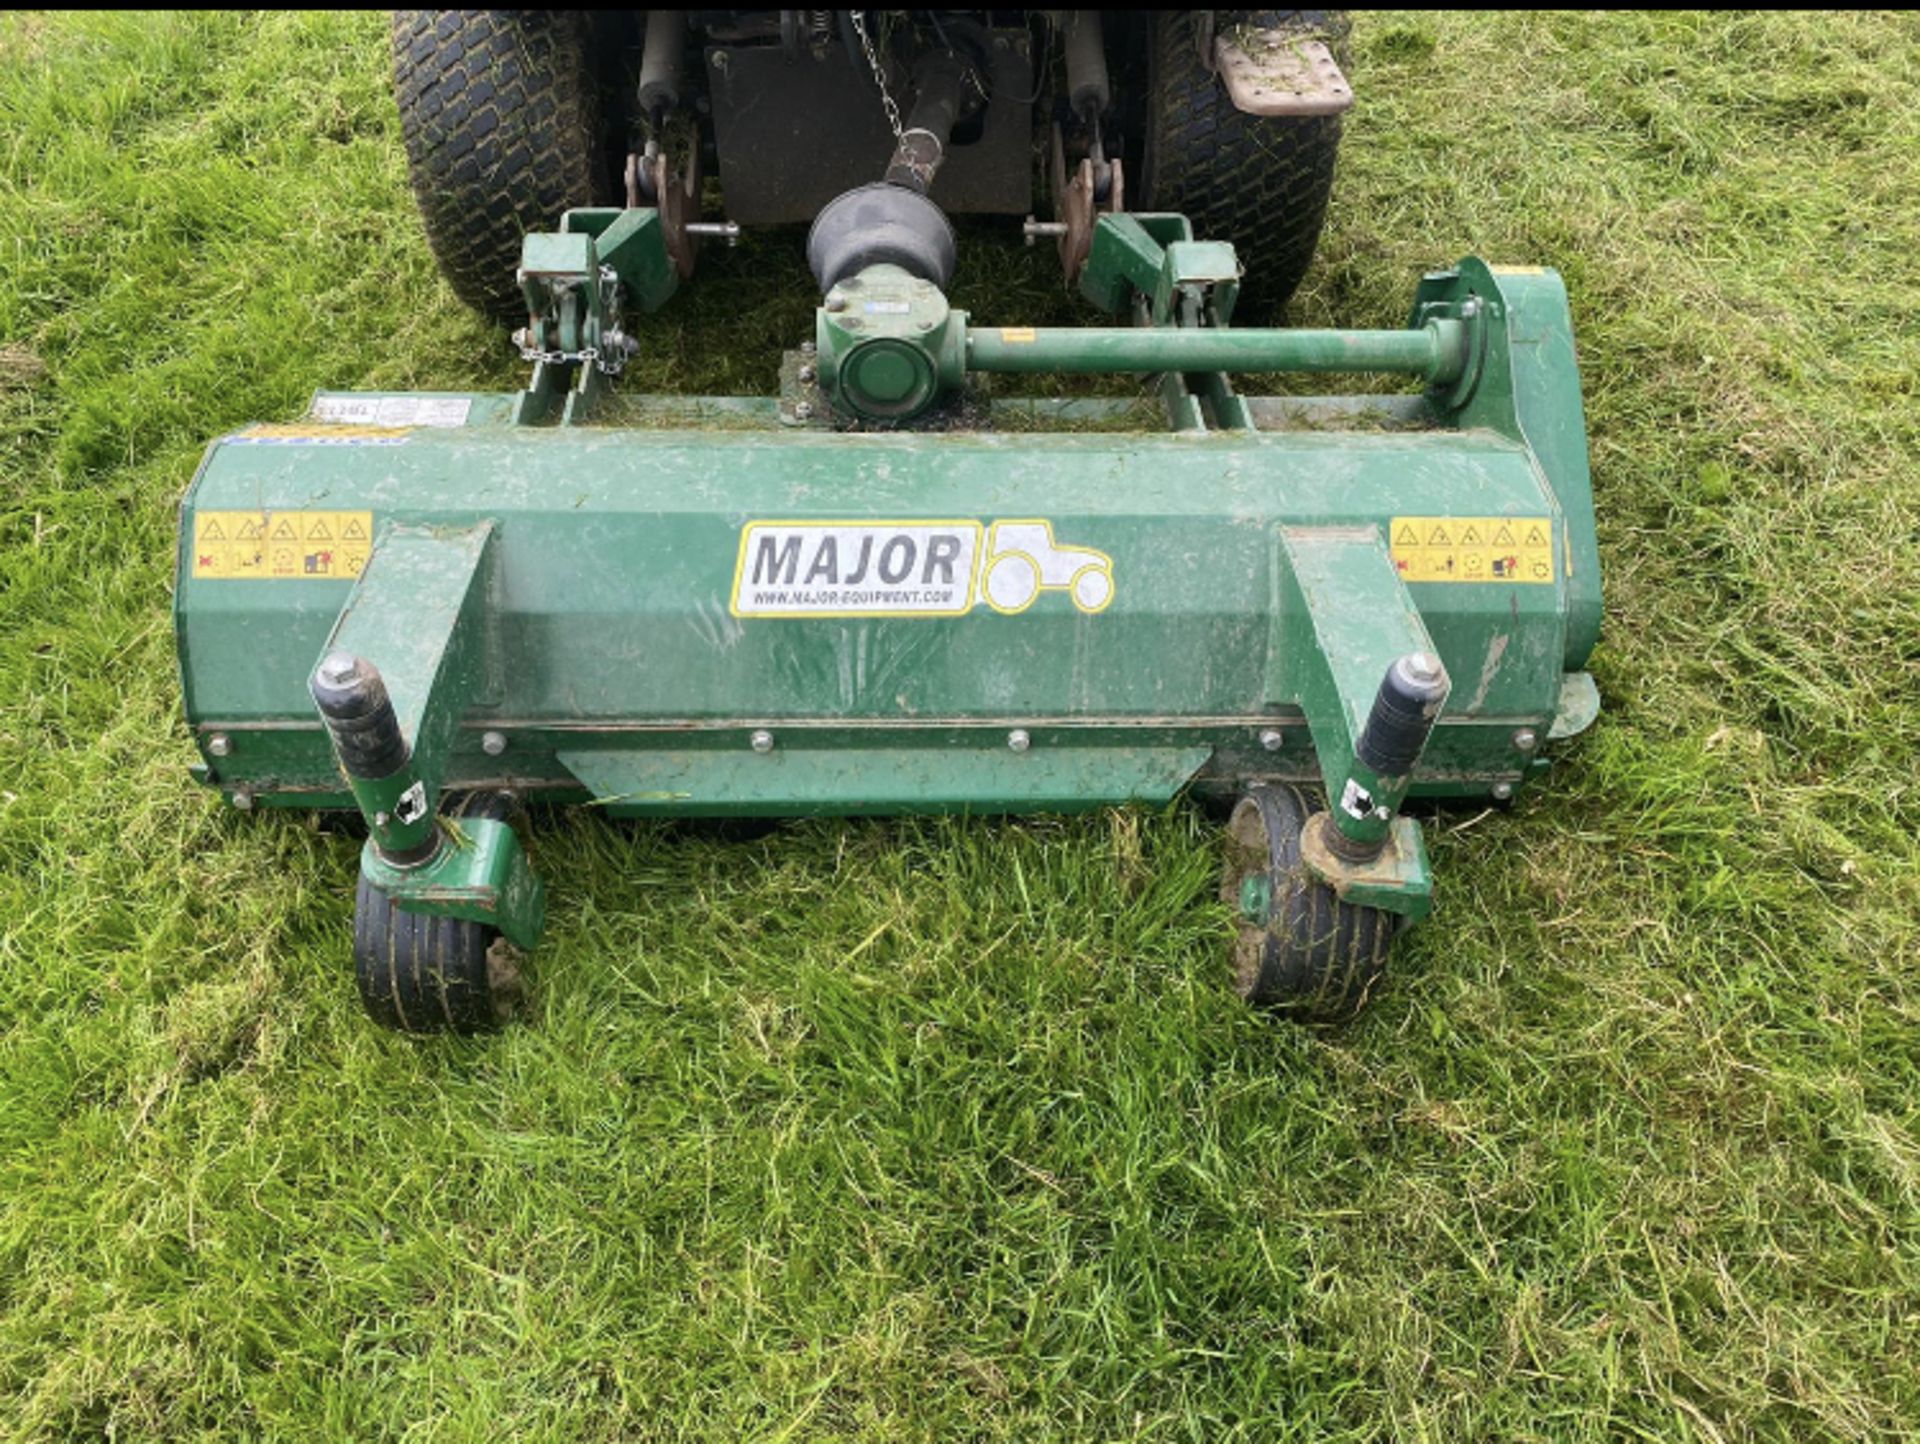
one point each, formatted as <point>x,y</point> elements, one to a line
<point>1018,740</point>
<point>1502,791</point>
<point>807,348</point>
<point>762,740</point>
<point>836,302</point>
<point>803,410</point>
<point>1271,739</point>
<point>243,800</point>
<point>339,669</point>
<point>219,745</point>
<point>1525,740</point>
<point>807,373</point>
<point>493,743</point>
<point>1423,669</point>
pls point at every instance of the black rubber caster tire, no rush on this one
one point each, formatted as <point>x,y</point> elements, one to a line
<point>421,974</point>
<point>1317,958</point>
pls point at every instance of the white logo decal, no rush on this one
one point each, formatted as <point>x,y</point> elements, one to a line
<point>910,569</point>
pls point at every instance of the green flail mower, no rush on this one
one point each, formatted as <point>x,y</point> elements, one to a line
<point>891,589</point>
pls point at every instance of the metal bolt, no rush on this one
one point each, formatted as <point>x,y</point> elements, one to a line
<point>219,745</point>
<point>1525,740</point>
<point>836,302</point>
<point>1042,230</point>
<point>1018,739</point>
<point>807,348</point>
<point>243,799</point>
<point>1423,669</point>
<point>1502,791</point>
<point>807,373</point>
<point>380,819</point>
<point>802,410</point>
<point>762,740</point>
<point>728,231</point>
<point>1469,308</point>
<point>339,669</point>
<point>1271,739</point>
<point>493,743</point>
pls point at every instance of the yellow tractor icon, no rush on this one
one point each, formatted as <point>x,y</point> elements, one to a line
<point>1023,562</point>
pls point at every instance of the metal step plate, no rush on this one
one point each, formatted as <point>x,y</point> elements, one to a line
<point>1278,72</point>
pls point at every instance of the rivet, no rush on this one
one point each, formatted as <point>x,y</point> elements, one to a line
<point>493,743</point>
<point>762,740</point>
<point>1018,739</point>
<point>1525,739</point>
<point>1502,791</point>
<point>1271,739</point>
<point>219,745</point>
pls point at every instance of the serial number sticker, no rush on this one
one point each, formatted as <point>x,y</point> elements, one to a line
<point>887,308</point>
<point>392,410</point>
<point>305,434</point>
<point>1502,549</point>
<point>281,545</point>
<point>910,569</point>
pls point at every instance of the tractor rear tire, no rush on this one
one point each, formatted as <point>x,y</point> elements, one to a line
<point>499,111</point>
<point>1261,182</point>
<point>1316,957</point>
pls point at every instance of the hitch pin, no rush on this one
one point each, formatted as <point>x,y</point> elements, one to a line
<point>728,231</point>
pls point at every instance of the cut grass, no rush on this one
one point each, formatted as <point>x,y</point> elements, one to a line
<point>934,1130</point>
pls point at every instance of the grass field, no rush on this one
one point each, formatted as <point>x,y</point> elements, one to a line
<point>955,1131</point>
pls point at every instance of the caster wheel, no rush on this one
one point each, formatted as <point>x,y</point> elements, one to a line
<point>424,974</point>
<point>1315,957</point>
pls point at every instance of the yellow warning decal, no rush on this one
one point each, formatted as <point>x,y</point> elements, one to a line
<point>1017,335</point>
<point>1473,548</point>
<point>297,545</point>
<point>310,433</point>
<point>1518,270</point>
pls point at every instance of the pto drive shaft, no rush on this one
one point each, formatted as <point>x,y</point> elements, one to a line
<point>1437,351</point>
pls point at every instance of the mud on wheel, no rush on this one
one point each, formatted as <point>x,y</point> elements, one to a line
<point>1297,948</point>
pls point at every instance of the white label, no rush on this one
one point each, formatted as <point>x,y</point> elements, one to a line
<point>1356,801</point>
<point>837,569</point>
<point>886,308</point>
<point>393,410</point>
<point>910,569</point>
<point>411,805</point>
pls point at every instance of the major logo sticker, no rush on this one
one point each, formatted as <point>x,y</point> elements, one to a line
<point>910,569</point>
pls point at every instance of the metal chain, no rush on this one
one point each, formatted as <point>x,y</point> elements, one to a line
<point>859,18</point>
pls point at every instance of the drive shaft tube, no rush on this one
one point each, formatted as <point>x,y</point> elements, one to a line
<point>1436,351</point>
<point>372,751</point>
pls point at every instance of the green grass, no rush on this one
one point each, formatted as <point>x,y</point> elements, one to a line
<point>937,1131</point>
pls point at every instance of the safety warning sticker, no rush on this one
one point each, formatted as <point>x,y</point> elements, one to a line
<point>297,545</point>
<point>1473,548</point>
